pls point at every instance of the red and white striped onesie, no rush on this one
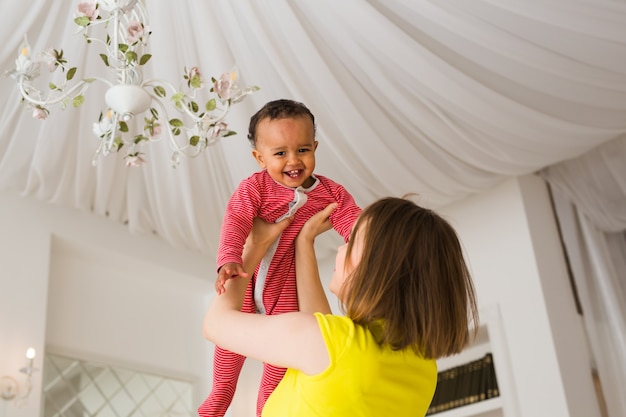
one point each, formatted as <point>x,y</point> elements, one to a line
<point>273,284</point>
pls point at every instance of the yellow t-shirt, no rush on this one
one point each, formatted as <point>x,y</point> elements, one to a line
<point>363,379</point>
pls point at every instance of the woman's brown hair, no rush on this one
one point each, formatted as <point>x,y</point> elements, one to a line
<point>412,278</point>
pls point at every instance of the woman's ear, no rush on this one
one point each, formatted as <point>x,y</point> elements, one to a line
<point>259,158</point>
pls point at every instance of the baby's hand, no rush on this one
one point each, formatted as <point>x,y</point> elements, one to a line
<point>228,271</point>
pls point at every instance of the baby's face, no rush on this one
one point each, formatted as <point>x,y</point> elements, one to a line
<point>286,148</point>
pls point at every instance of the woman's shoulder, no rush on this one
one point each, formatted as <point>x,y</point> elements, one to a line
<point>330,319</point>
<point>334,325</point>
<point>338,333</point>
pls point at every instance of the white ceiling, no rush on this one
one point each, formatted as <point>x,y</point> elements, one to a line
<point>443,98</point>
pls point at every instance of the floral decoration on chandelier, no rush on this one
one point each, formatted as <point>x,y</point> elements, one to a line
<point>124,24</point>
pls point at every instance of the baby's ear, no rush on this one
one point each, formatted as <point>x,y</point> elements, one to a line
<point>258,156</point>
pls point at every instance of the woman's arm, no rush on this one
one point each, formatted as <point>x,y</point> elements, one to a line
<point>291,340</point>
<point>260,238</point>
<point>311,295</point>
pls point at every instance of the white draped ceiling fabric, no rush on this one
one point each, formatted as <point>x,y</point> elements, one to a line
<point>443,98</point>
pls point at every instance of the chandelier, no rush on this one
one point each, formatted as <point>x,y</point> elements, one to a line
<point>200,107</point>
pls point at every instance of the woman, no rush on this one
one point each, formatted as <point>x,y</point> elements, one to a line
<point>408,299</point>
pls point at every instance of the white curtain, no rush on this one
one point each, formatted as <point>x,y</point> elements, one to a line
<point>590,202</point>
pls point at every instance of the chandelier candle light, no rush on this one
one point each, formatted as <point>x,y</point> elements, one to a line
<point>125,28</point>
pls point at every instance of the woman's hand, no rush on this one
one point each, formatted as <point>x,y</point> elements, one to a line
<point>263,234</point>
<point>259,240</point>
<point>229,270</point>
<point>317,224</point>
<point>311,295</point>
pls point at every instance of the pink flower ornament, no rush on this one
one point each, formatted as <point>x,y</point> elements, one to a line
<point>135,32</point>
<point>87,9</point>
<point>218,129</point>
<point>193,71</point>
<point>134,160</point>
<point>194,77</point>
<point>155,130</point>
<point>40,113</point>
<point>224,85</point>
<point>50,57</point>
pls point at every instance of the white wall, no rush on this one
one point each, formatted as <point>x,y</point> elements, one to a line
<point>513,246</point>
<point>109,307</point>
<point>138,302</point>
<point>81,285</point>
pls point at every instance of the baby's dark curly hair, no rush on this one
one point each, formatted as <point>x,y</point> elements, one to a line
<point>278,109</point>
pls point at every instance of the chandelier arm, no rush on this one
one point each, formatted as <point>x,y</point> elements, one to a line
<point>110,139</point>
<point>194,151</point>
<point>155,99</point>
<point>156,82</point>
<point>116,42</point>
<point>185,109</point>
<point>206,141</point>
<point>153,82</point>
<point>141,13</point>
<point>89,39</point>
<point>100,21</point>
<point>173,144</point>
<point>213,141</point>
<point>94,23</point>
<point>94,159</point>
<point>81,87</point>
<point>222,116</point>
